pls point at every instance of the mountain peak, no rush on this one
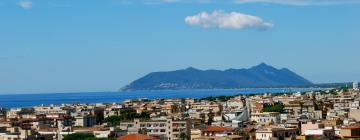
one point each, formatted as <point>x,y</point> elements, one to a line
<point>262,63</point>
<point>191,69</point>
<point>263,66</point>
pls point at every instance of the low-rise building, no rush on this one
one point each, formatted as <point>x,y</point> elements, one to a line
<point>266,117</point>
<point>85,121</point>
<point>217,131</point>
<point>310,125</point>
<point>352,131</point>
<point>321,132</point>
<point>276,133</point>
<point>163,128</point>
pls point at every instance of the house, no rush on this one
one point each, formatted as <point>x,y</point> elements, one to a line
<point>354,114</point>
<point>310,125</point>
<point>266,117</point>
<point>217,131</point>
<point>276,133</point>
<point>352,131</point>
<point>293,108</point>
<point>263,134</point>
<point>137,137</point>
<point>320,133</point>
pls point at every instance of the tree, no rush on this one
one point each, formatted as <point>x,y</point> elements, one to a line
<point>78,136</point>
<point>2,112</point>
<point>114,120</point>
<point>276,107</point>
<point>183,136</point>
<point>240,132</point>
<point>26,111</point>
<point>210,118</point>
<point>100,139</point>
<point>218,98</point>
<point>144,114</point>
<point>125,116</point>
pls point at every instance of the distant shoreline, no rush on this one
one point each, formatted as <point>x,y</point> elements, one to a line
<point>90,92</point>
<point>29,100</point>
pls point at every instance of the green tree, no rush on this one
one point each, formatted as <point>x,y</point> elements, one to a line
<point>276,107</point>
<point>2,112</point>
<point>240,132</point>
<point>183,136</point>
<point>99,139</point>
<point>127,116</point>
<point>78,136</point>
<point>114,120</point>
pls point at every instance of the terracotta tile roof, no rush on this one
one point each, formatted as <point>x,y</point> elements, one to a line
<point>137,137</point>
<point>354,126</point>
<point>49,129</point>
<point>351,136</point>
<point>248,129</point>
<point>87,129</point>
<point>217,129</point>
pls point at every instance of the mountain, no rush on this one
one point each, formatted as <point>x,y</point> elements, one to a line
<point>258,76</point>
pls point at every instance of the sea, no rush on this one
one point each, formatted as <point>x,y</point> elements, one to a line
<point>36,99</point>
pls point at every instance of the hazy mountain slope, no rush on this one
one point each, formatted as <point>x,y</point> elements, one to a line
<point>258,76</point>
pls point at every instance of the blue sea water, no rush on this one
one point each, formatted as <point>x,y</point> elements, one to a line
<point>29,100</point>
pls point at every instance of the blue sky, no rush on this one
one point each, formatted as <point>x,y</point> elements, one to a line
<point>102,45</point>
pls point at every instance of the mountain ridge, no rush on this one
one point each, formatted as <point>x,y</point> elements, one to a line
<point>258,76</point>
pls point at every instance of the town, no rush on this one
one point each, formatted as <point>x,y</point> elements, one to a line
<point>327,114</point>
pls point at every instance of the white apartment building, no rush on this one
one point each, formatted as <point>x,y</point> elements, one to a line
<point>85,121</point>
<point>266,117</point>
<point>49,110</point>
<point>166,129</point>
<point>263,134</point>
<point>355,85</point>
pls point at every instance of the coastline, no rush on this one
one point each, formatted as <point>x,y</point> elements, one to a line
<point>28,100</point>
<point>169,90</point>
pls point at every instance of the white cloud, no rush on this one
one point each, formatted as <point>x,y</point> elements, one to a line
<point>232,20</point>
<point>300,2</point>
<point>25,4</point>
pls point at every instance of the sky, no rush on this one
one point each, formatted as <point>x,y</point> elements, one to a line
<point>102,45</point>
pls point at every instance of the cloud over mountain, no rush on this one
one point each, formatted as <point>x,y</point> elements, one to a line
<point>231,20</point>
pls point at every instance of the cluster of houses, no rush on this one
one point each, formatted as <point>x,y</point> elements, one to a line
<point>332,114</point>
